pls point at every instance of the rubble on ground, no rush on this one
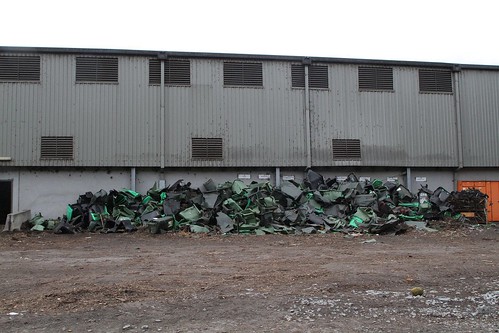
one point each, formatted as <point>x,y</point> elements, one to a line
<point>315,206</point>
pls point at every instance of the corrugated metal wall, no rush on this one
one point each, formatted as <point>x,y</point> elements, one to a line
<point>120,124</point>
<point>112,124</point>
<point>399,128</point>
<point>20,105</point>
<point>259,126</point>
<point>480,118</point>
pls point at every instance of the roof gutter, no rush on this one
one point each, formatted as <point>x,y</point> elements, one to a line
<point>234,56</point>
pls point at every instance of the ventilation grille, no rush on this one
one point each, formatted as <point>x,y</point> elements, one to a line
<point>154,71</point>
<point>438,81</point>
<point>207,148</point>
<point>96,69</point>
<point>346,149</point>
<point>317,77</point>
<point>56,148</point>
<point>243,74</point>
<point>375,78</point>
<point>18,68</point>
<point>177,72</point>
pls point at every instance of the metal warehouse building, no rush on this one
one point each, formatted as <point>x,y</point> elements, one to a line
<point>77,120</point>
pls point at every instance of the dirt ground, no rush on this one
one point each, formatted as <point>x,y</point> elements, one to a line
<point>141,282</point>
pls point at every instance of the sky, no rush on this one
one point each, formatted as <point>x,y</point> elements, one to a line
<point>461,32</point>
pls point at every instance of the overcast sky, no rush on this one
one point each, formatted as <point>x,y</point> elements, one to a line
<point>465,32</point>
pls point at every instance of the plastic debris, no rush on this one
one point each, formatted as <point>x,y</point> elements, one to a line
<point>316,206</point>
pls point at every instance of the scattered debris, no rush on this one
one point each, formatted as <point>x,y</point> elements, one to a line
<point>417,291</point>
<point>315,206</point>
<point>469,203</point>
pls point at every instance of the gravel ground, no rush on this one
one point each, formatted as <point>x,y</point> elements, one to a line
<point>275,283</point>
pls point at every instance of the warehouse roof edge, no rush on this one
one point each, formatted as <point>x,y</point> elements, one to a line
<point>180,54</point>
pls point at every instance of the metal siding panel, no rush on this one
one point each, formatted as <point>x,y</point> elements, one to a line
<point>138,114</point>
<point>56,114</point>
<point>18,118</point>
<point>259,127</point>
<point>112,124</point>
<point>400,128</point>
<point>480,117</point>
<point>118,125</point>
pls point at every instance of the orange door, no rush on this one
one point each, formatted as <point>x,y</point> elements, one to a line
<point>494,201</point>
<point>489,188</point>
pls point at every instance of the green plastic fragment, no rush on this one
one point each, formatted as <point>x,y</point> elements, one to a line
<point>191,214</point>
<point>37,219</point>
<point>424,202</point>
<point>239,187</point>
<point>93,226</point>
<point>50,224</point>
<point>280,228</point>
<point>355,221</point>
<point>198,229</point>
<point>149,208</point>
<point>69,212</point>
<point>38,227</point>
<point>146,199</point>
<point>123,211</point>
<point>409,204</point>
<point>411,217</point>
<point>308,230</point>
<point>335,223</point>
<point>249,218</point>
<point>232,205</point>
<point>269,202</point>
<point>314,204</point>
<point>362,215</point>
<point>332,195</point>
<point>268,230</point>
<point>376,183</point>
<point>248,203</point>
<point>131,193</point>
<point>176,223</point>
<point>121,199</point>
<point>210,185</point>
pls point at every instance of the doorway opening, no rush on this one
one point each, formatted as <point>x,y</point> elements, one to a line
<point>5,199</point>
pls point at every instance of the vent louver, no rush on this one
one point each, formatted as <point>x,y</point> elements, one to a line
<point>346,149</point>
<point>93,69</point>
<point>19,68</point>
<point>243,74</point>
<point>437,81</point>
<point>317,76</point>
<point>154,71</point>
<point>177,72</point>
<point>375,78</point>
<point>207,148</point>
<point>56,148</point>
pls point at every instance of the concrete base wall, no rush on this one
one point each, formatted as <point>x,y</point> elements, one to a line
<point>49,191</point>
<point>482,174</point>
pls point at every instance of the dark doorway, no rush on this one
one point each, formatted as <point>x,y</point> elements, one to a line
<point>5,199</point>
